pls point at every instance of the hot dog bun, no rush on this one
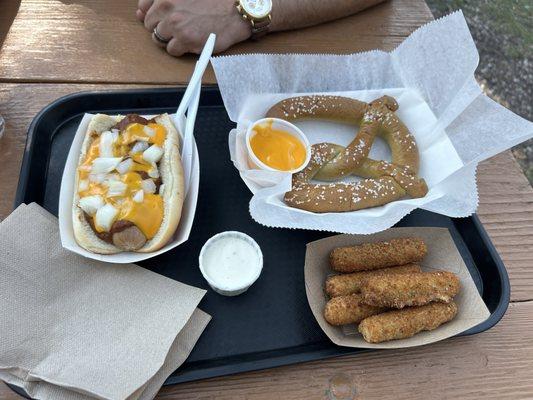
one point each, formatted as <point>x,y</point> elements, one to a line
<point>171,174</point>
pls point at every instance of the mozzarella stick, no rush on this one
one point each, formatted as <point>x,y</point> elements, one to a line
<point>344,284</point>
<point>401,324</point>
<point>348,310</point>
<point>377,255</point>
<point>415,289</point>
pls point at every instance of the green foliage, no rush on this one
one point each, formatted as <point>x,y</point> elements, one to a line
<point>513,18</point>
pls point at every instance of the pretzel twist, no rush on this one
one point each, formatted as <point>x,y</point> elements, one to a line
<point>386,181</point>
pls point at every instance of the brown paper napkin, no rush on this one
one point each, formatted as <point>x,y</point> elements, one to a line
<point>75,329</point>
<point>179,351</point>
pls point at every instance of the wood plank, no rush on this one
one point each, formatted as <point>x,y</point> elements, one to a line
<point>9,11</point>
<point>506,210</point>
<point>495,364</point>
<point>19,103</point>
<point>506,198</point>
<point>98,40</point>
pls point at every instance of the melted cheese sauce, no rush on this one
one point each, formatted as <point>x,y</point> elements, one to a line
<point>277,148</point>
<point>135,132</point>
<point>147,215</point>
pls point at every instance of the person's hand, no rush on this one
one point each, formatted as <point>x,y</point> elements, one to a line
<point>188,23</point>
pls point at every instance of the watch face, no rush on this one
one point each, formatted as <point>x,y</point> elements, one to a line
<point>257,8</point>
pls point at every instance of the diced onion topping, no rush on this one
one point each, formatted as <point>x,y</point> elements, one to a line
<point>125,166</point>
<point>107,140</point>
<point>149,131</point>
<point>91,204</point>
<point>153,172</point>
<point>83,185</point>
<point>153,154</point>
<point>139,196</point>
<point>103,165</point>
<point>148,186</point>
<point>139,147</point>
<point>116,188</point>
<point>97,178</point>
<point>105,216</point>
<point>119,202</point>
<point>112,177</point>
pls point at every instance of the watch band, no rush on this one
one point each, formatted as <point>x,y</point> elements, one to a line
<point>260,28</point>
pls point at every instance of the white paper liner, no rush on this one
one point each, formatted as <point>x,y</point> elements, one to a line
<point>432,76</point>
<point>442,255</point>
<point>191,167</point>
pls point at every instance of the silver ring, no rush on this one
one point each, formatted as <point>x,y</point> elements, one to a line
<point>160,38</point>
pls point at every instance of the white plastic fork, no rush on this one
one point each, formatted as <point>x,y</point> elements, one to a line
<point>189,104</point>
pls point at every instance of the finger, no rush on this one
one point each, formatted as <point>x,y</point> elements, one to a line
<point>222,44</point>
<point>157,12</point>
<point>158,42</point>
<point>165,28</point>
<point>140,15</point>
<point>176,48</point>
<point>144,5</point>
<point>164,35</point>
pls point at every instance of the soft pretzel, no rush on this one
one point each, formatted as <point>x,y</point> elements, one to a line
<point>389,181</point>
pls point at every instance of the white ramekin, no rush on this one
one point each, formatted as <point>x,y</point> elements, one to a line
<point>282,125</point>
<point>225,290</point>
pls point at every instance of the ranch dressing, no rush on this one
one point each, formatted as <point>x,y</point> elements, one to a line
<point>231,262</point>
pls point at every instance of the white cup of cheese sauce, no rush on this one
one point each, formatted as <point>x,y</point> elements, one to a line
<point>274,144</point>
<point>231,262</point>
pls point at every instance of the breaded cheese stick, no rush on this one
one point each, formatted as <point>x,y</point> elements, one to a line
<point>377,255</point>
<point>344,284</point>
<point>401,324</point>
<point>348,310</point>
<point>415,289</point>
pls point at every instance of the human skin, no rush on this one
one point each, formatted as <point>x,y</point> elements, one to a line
<point>188,23</point>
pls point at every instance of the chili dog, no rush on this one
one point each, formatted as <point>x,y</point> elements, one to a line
<point>129,184</point>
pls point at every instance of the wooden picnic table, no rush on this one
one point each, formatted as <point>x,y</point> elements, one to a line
<point>55,47</point>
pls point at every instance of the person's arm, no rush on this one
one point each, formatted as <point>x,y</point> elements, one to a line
<point>294,14</point>
<point>187,23</point>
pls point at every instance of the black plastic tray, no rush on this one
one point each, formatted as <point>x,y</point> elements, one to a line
<point>271,324</point>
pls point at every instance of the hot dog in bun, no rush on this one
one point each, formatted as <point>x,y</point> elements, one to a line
<point>129,184</point>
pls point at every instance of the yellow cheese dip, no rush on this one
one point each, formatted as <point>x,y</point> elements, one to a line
<point>277,148</point>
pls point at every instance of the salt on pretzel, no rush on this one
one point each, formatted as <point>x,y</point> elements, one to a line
<point>329,162</point>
